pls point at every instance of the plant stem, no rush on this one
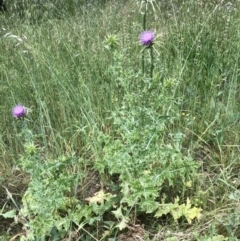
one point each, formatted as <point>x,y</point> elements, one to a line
<point>152,65</point>
<point>144,28</point>
<point>143,63</point>
<point>144,19</point>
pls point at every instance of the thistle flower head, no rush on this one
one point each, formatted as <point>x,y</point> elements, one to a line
<point>147,37</point>
<point>19,111</point>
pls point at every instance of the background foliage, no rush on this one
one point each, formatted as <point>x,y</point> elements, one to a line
<point>105,152</point>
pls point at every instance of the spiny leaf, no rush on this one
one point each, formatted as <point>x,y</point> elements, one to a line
<point>122,224</point>
<point>100,197</point>
<point>118,213</point>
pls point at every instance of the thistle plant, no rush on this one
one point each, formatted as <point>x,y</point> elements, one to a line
<point>147,38</point>
<point>138,153</point>
<point>49,205</point>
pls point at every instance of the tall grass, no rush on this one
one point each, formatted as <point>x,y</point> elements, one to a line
<point>59,68</point>
<point>63,66</point>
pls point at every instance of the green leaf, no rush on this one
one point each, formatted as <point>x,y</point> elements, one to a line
<point>9,214</point>
<point>118,213</point>
<point>172,239</point>
<point>218,238</point>
<point>122,224</point>
<point>100,197</point>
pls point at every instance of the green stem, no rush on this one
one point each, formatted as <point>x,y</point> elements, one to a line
<point>152,65</point>
<point>144,28</point>
<point>143,63</point>
<point>144,19</point>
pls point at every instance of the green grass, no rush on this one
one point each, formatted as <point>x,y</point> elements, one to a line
<point>58,66</point>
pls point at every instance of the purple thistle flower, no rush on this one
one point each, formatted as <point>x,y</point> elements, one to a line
<point>19,111</point>
<point>147,37</point>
